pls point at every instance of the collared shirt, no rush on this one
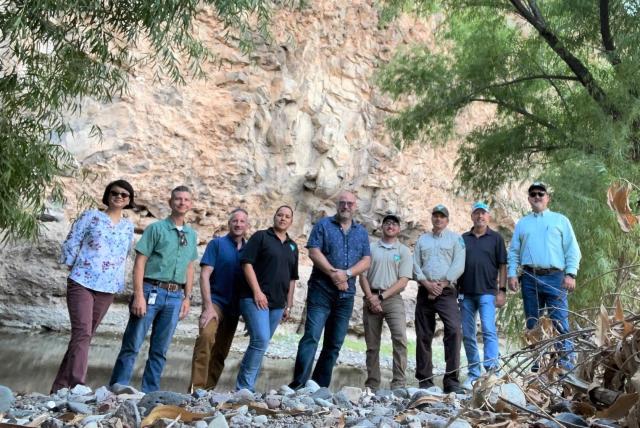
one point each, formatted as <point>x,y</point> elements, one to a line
<point>389,263</point>
<point>544,240</point>
<point>223,256</point>
<point>275,263</point>
<point>439,257</point>
<point>96,249</point>
<point>484,255</point>
<point>342,250</point>
<point>167,259</point>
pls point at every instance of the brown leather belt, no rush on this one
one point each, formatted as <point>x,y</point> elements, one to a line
<point>541,271</point>
<point>169,286</point>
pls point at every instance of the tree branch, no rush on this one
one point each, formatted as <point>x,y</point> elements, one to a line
<point>527,78</point>
<point>517,109</point>
<point>605,31</point>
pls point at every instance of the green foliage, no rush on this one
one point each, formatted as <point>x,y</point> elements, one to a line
<point>54,53</point>
<point>562,77</point>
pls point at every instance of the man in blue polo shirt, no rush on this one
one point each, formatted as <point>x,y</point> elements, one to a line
<point>482,288</point>
<point>339,249</point>
<point>545,248</point>
<point>220,278</point>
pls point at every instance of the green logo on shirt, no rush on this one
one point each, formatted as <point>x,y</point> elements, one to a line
<point>293,247</point>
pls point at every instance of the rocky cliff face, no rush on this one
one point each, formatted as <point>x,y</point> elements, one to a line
<point>294,122</point>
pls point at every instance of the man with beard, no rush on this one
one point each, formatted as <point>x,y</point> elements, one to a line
<point>339,250</point>
<point>220,278</point>
<point>438,262</point>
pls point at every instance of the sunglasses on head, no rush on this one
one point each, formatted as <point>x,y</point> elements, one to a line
<point>538,194</point>
<point>183,238</point>
<point>123,195</point>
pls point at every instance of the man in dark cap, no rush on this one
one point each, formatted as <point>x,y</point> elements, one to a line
<point>438,262</point>
<point>390,270</point>
<point>545,248</point>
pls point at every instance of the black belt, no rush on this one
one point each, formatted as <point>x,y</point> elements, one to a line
<point>540,271</point>
<point>169,286</point>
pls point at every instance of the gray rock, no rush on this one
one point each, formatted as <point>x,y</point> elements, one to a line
<point>509,391</point>
<point>285,390</point>
<point>460,423</point>
<point>92,424</point>
<point>50,405</point>
<point>6,399</point>
<point>240,420</point>
<point>128,413</point>
<point>401,393</point>
<point>322,402</point>
<point>102,394</point>
<point>381,411</point>
<point>273,401</point>
<point>243,410</point>
<point>82,398</point>
<point>81,390</point>
<point>216,398</point>
<point>118,389</point>
<point>307,401</point>
<point>80,408</point>
<point>92,419</point>
<point>244,396</point>
<point>199,393</point>
<point>570,420</point>
<point>352,393</point>
<point>219,422</point>
<point>52,423</point>
<point>341,400</point>
<point>384,393</point>
<point>324,393</point>
<point>260,420</point>
<point>364,423</point>
<point>312,386</point>
<point>200,424</point>
<point>152,399</point>
<point>435,390</point>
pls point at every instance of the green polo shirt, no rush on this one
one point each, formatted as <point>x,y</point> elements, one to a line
<point>167,259</point>
<point>389,263</point>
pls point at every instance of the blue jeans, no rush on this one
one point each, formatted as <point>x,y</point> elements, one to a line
<point>545,292</point>
<point>261,324</point>
<point>163,315</point>
<point>485,305</point>
<point>325,310</point>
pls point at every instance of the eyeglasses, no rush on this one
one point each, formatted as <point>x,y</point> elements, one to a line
<point>390,223</point>
<point>538,194</point>
<point>123,195</point>
<point>346,203</point>
<point>183,238</point>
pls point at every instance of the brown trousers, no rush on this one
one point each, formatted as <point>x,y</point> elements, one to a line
<point>393,312</point>
<point>446,306</point>
<point>86,309</point>
<point>211,349</point>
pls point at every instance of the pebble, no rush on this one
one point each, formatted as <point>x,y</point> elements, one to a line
<point>324,393</point>
<point>322,402</point>
<point>244,396</point>
<point>260,420</point>
<point>152,399</point>
<point>509,391</point>
<point>219,422</point>
<point>352,393</point>
<point>341,400</point>
<point>128,413</point>
<point>102,394</point>
<point>52,423</point>
<point>6,399</point>
<point>273,401</point>
<point>285,390</point>
<point>200,424</point>
<point>81,390</point>
<point>80,408</point>
<point>312,386</point>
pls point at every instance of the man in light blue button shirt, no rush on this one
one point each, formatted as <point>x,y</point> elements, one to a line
<point>546,249</point>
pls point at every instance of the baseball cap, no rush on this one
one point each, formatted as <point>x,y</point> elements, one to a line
<point>391,217</point>
<point>479,205</point>
<point>537,185</point>
<point>440,209</point>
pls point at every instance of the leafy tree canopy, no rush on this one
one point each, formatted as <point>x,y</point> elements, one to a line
<point>54,52</point>
<point>563,78</point>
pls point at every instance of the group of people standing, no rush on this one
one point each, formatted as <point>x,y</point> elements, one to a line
<point>458,277</point>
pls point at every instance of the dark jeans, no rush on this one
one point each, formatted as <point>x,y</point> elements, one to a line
<point>86,309</point>
<point>446,306</point>
<point>542,293</point>
<point>325,310</point>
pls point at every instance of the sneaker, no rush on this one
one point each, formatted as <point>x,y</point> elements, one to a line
<point>425,384</point>
<point>454,388</point>
<point>468,384</point>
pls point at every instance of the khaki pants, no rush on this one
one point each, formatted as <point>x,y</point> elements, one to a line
<point>211,349</point>
<point>393,312</point>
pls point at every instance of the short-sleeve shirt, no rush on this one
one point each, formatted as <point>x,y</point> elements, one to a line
<point>389,263</point>
<point>223,256</point>
<point>275,263</point>
<point>484,256</point>
<point>97,250</point>
<point>167,259</point>
<point>342,250</point>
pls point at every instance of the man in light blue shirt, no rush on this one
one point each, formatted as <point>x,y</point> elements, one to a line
<point>545,248</point>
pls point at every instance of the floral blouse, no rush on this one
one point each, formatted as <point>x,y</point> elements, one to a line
<point>96,249</point>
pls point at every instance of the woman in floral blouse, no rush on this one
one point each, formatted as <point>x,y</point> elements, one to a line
<point>95,252</point>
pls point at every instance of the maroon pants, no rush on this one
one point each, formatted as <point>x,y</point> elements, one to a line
<point>86,310</point>
<point>446,306</point>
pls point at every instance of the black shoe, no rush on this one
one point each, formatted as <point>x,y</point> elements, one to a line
<point>454,388</point>
<point>425,384</point>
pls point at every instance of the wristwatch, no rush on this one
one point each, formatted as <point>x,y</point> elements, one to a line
<point>349,273</point>
<point>380,296</point>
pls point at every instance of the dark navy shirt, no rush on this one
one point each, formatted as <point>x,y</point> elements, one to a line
<point>275,263</point>
<point>223,256</point>
<point>484,256</point>
<point>341,250</point>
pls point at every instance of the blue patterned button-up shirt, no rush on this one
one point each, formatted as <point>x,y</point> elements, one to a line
<point>96,249</point>
<point>341,250</point>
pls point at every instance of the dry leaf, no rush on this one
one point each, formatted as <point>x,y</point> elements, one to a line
<point>619,313</point>
<point>427,399</point>
<point>620,408</point>
<point>618,200</point>
<point>602,327</point>
<point>38,420</point>
<point>172,412</point>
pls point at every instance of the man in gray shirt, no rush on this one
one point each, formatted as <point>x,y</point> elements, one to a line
<point>438,261</point>
<point>390,270</point>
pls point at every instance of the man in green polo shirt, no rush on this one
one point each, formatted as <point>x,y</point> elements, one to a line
<point>162,281</point>
<point>390,270</point>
